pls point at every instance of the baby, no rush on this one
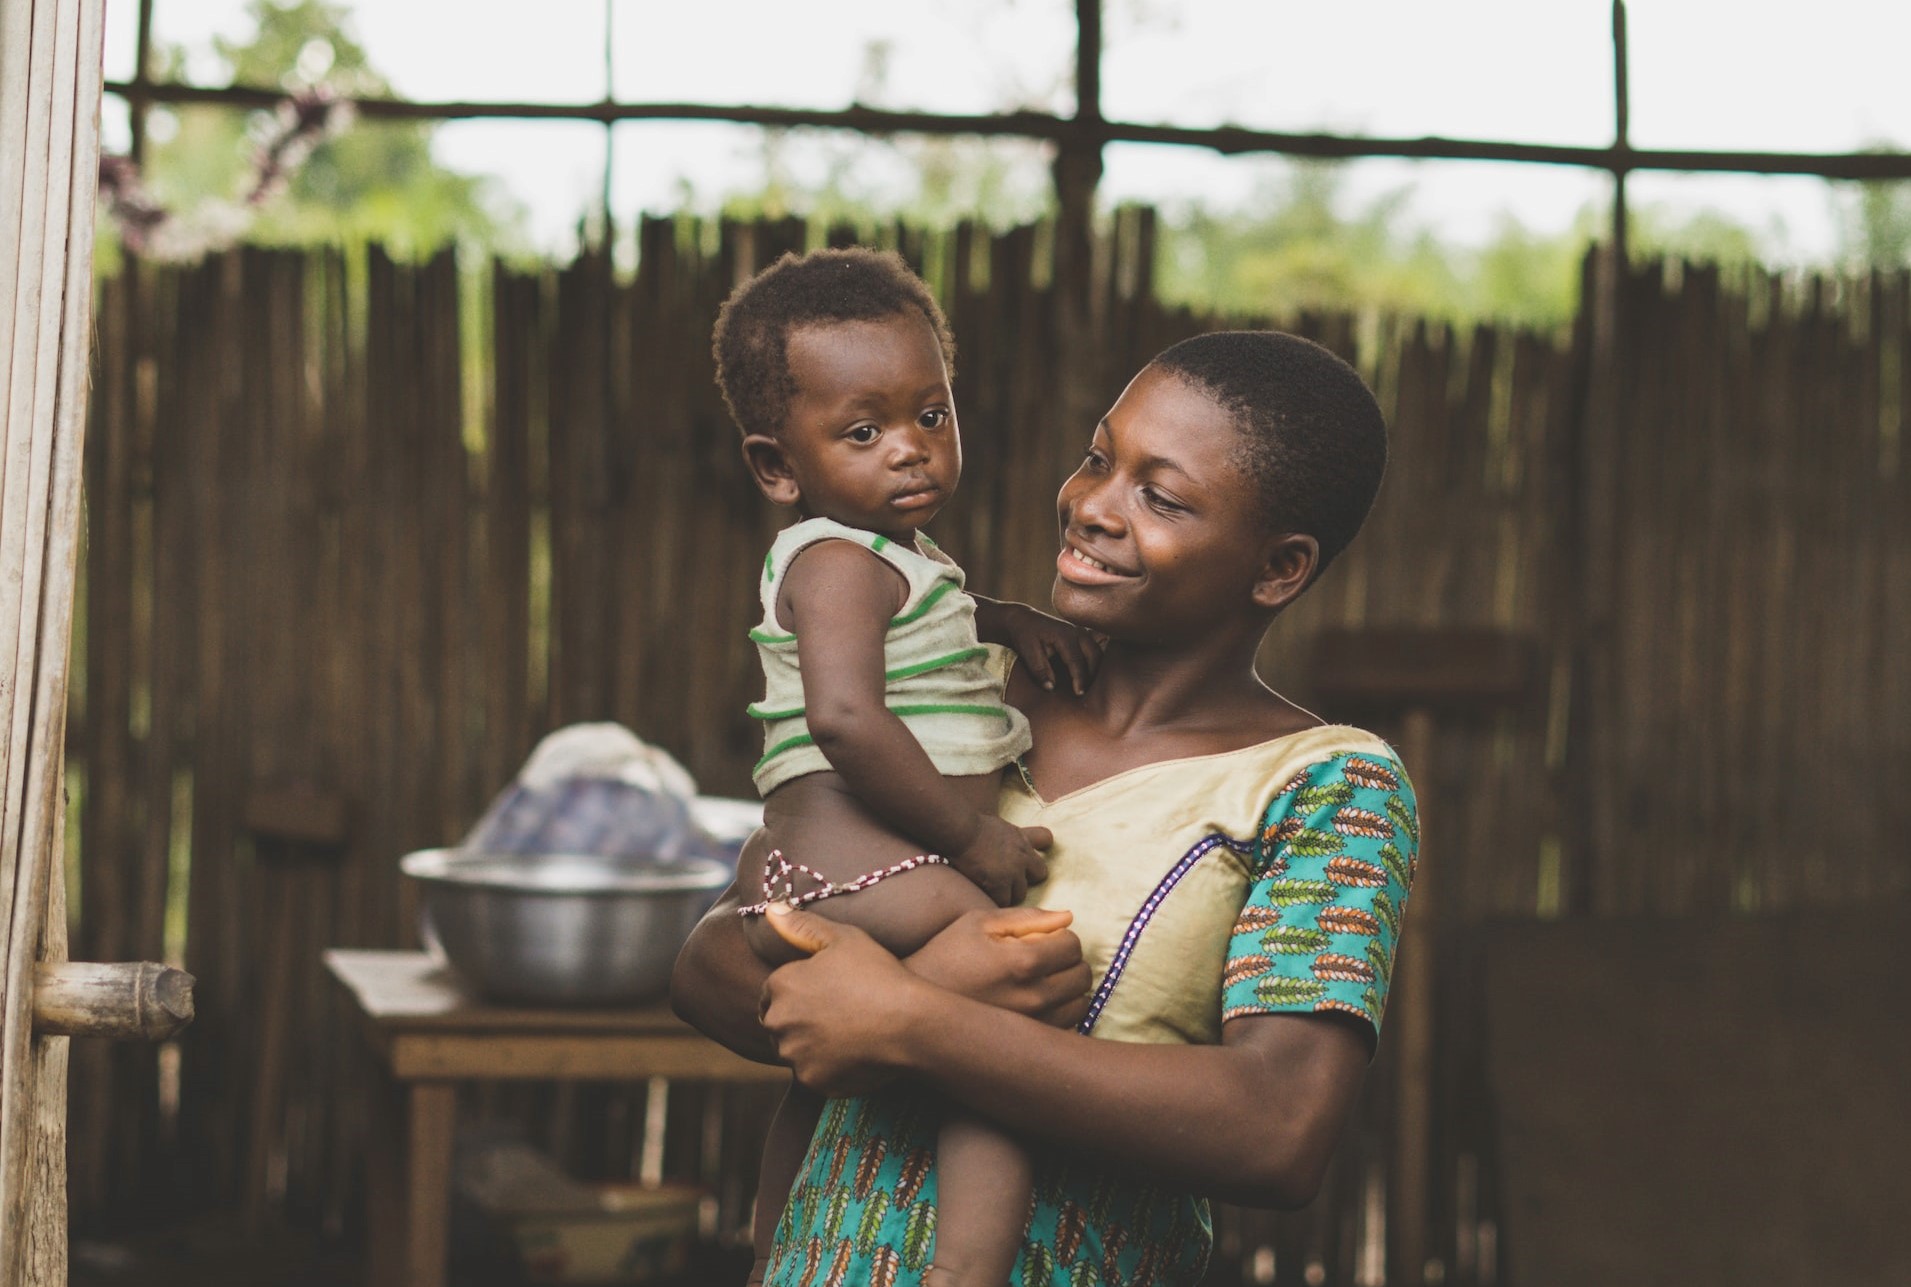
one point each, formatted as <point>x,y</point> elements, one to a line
<point>885,729</point>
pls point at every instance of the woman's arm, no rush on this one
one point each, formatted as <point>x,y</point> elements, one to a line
<point>1254,1120</point>
<point>1022,959</point>
<point>717,984</point>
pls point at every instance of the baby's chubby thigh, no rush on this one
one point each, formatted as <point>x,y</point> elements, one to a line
<point>901,911</point>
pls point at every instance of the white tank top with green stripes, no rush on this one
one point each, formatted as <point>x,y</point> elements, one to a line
<point>938,678</point>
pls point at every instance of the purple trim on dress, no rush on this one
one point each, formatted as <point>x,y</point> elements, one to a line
<point>1132,935</point>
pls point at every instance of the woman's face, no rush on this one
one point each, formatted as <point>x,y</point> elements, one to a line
<point>1161,534</point>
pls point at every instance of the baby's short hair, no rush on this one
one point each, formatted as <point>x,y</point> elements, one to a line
<point>752,339</point>
<point>1312,437</point>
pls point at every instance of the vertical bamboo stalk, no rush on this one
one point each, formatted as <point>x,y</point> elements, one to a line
<point>65,78</point>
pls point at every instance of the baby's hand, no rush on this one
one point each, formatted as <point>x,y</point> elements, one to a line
<point>1052,649</point>
<point>1002,859</point>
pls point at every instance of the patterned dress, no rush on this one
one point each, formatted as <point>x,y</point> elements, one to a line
<point>1262,881</point>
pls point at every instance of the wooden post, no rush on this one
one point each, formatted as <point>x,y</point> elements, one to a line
<point>1622,129</point>
<point>137,101</point>
<point>50,53</point>
<point>1078,168</point>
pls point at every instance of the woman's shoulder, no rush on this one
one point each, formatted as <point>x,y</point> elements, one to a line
<point>1273,767</point>
<point>1250,791</point>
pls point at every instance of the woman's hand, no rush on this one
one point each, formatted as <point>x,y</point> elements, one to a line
<point>1024,959</point>
<point>840,1017</point>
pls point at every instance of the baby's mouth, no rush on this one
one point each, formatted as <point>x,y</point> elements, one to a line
<point>915,497</point>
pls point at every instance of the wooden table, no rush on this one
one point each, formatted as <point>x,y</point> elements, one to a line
<point>426,1034</point>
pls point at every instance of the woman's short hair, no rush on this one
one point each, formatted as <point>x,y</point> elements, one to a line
<point>1312,437</point>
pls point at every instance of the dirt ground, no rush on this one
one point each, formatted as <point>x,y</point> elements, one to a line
<point>221,1252</point>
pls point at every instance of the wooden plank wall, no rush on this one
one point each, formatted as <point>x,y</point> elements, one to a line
<point>329,552</point>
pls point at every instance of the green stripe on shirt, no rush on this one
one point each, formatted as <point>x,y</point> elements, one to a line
<point>925,708</point>
<point>901,672</point>
<point>928,600</point>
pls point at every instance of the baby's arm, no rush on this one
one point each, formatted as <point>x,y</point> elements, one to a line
<point>1048,647</point>
<point>840,598</point>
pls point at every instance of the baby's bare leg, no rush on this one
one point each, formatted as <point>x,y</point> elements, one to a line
<point>783,1153</point>
<point>983,1182</point>
<point>902,913</point>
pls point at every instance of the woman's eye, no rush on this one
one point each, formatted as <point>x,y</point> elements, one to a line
<point>1160,501</point>
<point>1094,460</point>
<point>863,435</point>
<point>934,418</point>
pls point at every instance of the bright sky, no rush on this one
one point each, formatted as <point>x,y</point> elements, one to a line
<point>1728,74</point>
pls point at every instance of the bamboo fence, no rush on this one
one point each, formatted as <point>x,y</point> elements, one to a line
<point>365,530</point>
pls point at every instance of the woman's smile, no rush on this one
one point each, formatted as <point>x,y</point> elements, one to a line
<point>1162,534</point>
<point>1077,565</point>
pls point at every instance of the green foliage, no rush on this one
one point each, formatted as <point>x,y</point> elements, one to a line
<point>369,181</point>
<point>1874,221</point>
<point>1299,244</point>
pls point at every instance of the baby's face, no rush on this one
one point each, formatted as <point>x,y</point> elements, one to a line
<point>871,437</point>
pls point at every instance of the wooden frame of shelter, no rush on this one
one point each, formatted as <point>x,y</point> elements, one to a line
<point>1079,138</point>
<point>48,153</point>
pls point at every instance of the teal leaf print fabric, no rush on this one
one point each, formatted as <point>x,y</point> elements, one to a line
<point>864,1211</point>
<point>1334,865</point>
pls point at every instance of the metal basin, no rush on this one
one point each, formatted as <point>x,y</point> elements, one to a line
<point>562,929</point>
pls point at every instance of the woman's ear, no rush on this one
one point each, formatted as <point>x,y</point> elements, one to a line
<point>1291,560</point>
<point>770,466</point>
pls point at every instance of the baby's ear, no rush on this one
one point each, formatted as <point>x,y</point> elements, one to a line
<point>770,466</point>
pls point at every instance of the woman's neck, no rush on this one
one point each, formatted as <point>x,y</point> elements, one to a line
<point>1139,688</point>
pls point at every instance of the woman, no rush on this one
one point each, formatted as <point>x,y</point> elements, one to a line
<point>1236,871</point>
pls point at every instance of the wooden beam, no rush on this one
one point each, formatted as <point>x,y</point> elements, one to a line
<point>1229,140</point>
<point>127,1002</point>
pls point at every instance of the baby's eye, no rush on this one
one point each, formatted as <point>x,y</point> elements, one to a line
<point>863,435</point>
<point>934,418</point>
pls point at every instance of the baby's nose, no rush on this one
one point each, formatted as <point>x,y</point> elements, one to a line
<point>909,444</point>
